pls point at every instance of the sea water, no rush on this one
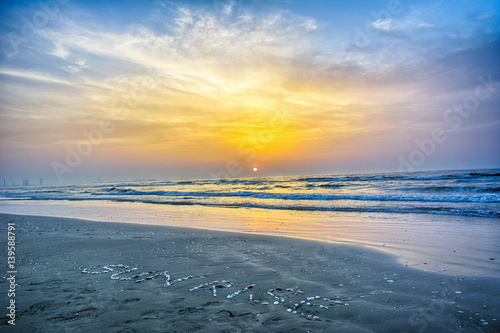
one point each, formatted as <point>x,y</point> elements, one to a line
<point>460,193</point>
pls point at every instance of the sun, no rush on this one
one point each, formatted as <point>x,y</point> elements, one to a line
<point>254,169</point>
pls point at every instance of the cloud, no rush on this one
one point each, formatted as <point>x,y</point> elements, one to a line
<point>386,25</point>
<point>208,68</point>
<point>59,52</point>
<point>484,17</point>
<point>35,76</point>
<point>478,16</point>
<point>200,80</point>
<point>425,25</point>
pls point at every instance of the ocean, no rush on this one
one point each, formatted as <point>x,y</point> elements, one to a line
<point>474,193</point>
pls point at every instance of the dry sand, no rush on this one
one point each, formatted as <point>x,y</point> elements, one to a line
<point>318,287</point>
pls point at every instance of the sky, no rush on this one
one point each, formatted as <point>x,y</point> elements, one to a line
<point>125,90</point>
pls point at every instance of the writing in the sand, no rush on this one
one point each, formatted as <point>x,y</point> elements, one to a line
<point>11,264</point>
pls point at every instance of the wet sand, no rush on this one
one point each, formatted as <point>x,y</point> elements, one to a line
<point>275,284</point>
<point>454,245</point>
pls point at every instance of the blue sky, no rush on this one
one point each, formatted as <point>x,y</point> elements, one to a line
<point>189,88</point>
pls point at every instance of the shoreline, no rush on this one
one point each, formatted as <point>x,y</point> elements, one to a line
<point>448,245</point>
<point>349,288</point>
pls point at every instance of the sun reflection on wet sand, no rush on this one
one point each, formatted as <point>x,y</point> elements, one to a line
<point>432,243</point>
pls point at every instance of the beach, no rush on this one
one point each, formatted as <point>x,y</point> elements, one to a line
<point>250,166</point>
<point>78,275</point>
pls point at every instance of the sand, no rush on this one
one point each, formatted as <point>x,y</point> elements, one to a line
<point>349,288</point>
<point>454,245</point>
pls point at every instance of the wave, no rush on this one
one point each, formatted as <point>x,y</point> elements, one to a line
<point>475,174</point>
<point>367,209</point>
<point>399,176</point>
<point>328,185</point>
<point>116,191</point>
<point>376,178</point>
<point>451,189</point>
<point>470,192</point>
<point>309,196</point>
<point>271,196</point>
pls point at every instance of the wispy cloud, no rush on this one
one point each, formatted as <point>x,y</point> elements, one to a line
<point>386,25</point>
